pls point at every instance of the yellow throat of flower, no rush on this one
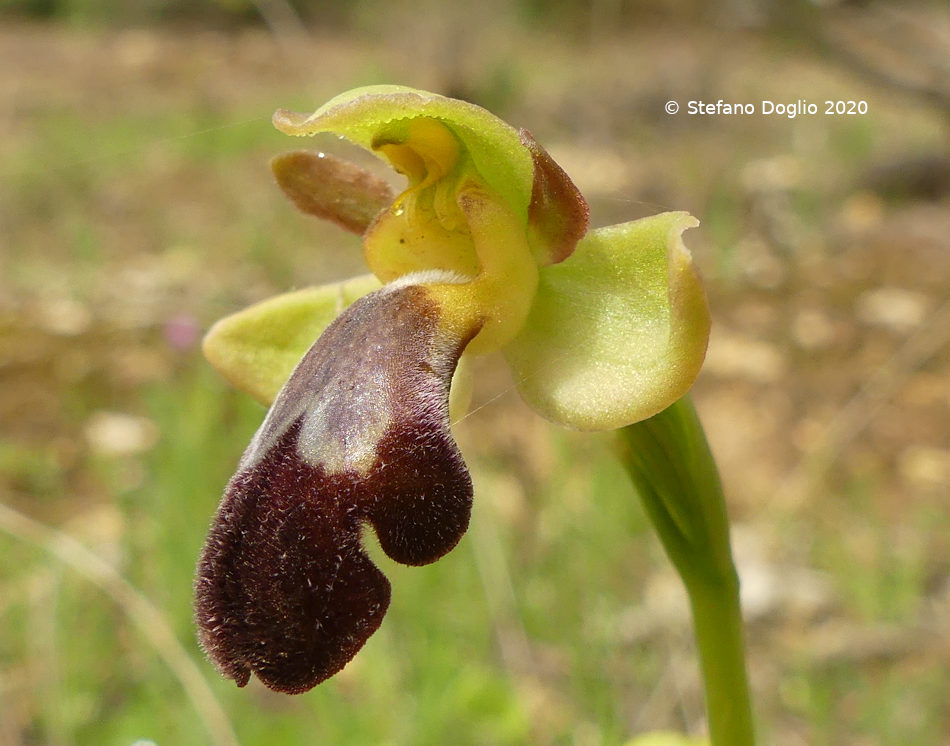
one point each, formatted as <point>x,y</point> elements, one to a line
<point>448,219</point>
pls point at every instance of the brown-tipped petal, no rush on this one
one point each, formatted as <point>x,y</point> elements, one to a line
<point>329,188</point>
<point>558,214</point>
<point>358,434</point>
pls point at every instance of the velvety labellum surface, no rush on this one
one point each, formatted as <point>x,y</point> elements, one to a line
<point>359,434</point>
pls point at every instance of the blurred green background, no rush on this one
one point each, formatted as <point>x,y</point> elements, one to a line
<point>137,208</point>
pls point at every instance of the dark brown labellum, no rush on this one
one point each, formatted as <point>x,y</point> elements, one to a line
<point>359,434</point>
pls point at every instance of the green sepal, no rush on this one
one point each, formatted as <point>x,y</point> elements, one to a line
<point>366,115</point>
<point>257,349</point>
<point>617,331</point>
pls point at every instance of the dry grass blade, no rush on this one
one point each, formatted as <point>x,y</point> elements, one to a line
<point>150,621</point>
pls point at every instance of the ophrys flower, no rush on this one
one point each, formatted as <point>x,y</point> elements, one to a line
<point>486,249</point>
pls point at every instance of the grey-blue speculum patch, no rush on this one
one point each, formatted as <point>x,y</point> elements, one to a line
<point>359,434</point>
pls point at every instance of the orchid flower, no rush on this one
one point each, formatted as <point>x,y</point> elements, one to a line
<point>486,249</point>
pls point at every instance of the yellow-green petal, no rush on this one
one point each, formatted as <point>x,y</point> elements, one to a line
<point>327,187</point>
<point>618,331</point>
<point>257,348</point>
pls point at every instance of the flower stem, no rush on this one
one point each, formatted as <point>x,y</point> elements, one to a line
<point>718,628</point>
<point>675,475</point>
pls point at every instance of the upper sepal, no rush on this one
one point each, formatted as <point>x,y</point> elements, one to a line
<point>440,144</point>
<point>378,114</point>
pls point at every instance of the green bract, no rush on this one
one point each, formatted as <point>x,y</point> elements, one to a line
<point>601,328</point>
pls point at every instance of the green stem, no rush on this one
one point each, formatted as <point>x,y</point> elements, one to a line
<point>719,639</point>
<point>673,470</point>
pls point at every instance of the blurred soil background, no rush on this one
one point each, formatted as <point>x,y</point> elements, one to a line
<point>137,207</point>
